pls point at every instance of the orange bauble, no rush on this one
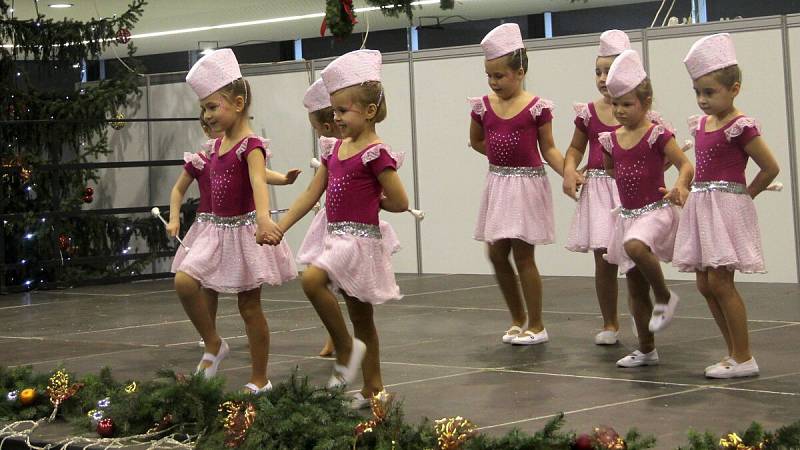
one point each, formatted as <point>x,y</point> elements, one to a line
<point>27,396</point>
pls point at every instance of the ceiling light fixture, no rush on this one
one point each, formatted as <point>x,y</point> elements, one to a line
<point>61,5</point>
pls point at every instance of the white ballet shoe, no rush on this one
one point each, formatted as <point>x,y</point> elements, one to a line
<point>210,371</point>
<point>344,375</point>
<point>255,390</point>
<point>511,333</point>
<point>663,313</point>
<point>606,337</point>
<point>732,369</point>
<point>638,359</point>
<point>528,337</point>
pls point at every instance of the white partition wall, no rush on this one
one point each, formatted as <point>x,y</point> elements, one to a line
<point>279,115</point>
<point>429,113</point>
<point>451,175</point>
<point>763,96</point>
<point>792,47</point>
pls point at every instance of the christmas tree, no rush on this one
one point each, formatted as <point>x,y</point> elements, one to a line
<point>53,126</point>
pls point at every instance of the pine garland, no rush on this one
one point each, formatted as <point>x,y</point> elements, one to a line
<point>177,411</point>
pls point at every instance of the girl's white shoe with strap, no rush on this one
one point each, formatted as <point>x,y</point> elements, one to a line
<point>344,375</point>
<point>732,369</point>
<point>662,313</point>
<point>606,337</point>
<point>638,359</point>
<point>255,390</point>
<point>726,360</point>
<point>528,337</point>
<point>511,333</point>
<point>210,371</point>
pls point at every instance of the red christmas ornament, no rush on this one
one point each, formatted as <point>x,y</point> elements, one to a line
<point>87,199</point>
<point>89,191</point>
<point>105,428</point>
<point>583,442</point>
<point>123,36</point>
<point>63,242</point>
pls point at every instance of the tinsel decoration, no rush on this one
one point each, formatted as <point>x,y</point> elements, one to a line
<point>105,428</point>
<point>380,404</point>
<point>60,390</point>
<point>116,124</point>
<point>12,396</point>
<point>732,441</point>
<point>607,438</point>
<point>95,416</point>
<point>131,388</point>
<point>238,416</point>
<point>453,432</point>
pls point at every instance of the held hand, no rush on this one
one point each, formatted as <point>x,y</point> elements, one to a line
<point>292,175</point>
<point>572,180</point>
<point>677,195</point>
<point>267,232</point>
<point>173,227</point>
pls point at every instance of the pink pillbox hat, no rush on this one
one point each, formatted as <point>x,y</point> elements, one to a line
<point>352,69</point>
<point>709,54</point>
<point>613,42</point>
<point>316,97</point>
<point>502,40</point>
<point>213,71</point>
<point>625,74</point>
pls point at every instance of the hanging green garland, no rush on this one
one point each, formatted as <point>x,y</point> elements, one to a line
<point>340,18</point>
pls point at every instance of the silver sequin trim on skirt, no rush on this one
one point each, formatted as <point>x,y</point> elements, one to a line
<point>507,171</point>
<point>228,221</point>
<point>355,229</point>
<point>631,213</point>
<point>724,186</point>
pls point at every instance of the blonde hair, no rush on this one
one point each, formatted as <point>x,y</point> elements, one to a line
<point>237,88</point>
<point>203,124</point>
<point>518,59</point>
<point>644,92</point>
<point>371,93</point>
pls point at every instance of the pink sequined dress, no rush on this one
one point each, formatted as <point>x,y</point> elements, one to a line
<point>644,214</point>
<point>593,220</point>
<point>353,250</point>
<point>224,256</point>
<point>719,225</point>
<point>196,166</point>
<point>517,201</point>
<point>314,241</point>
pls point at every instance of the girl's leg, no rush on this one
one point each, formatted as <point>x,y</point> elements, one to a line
<point>530,281</point>
<point>257,334</point>
<point>722,287</point>
<point>605,284</point>
<point>315,286</point>
<point>361,314</point>
<point>641,308</point>
<point>191,296</point>
<point>327,349</point>
<point>714,306</point>
<point>211,298</point>
<point>648,266</point>
<point>507,279</point>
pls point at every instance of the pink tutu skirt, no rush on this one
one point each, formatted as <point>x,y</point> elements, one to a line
<point>517,204</point>
<point>655,228</point>
<point>224,257</point>
<point>314,241</point>
<point>593,220</point>
<point>718,229</point>
<point>194,230</point>
<point>358,262</point>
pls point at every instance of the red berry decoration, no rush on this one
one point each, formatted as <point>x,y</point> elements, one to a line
<point>89,191</point>
<point>63,242</point>
<point>123,36</point>
<point>583,442</point>
<point>87,199</point>
<point>105,428</point>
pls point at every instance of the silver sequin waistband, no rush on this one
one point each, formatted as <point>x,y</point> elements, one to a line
<point>724,186</point>
<point>631,213</point>
<point>227,221</point>
<point>597,173</point>
<point>357,229</point>
<point>507,171</point>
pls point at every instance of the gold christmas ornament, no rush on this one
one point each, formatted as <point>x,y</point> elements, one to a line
<point>239,415</point>
<point>453,432</point>
<point>27,396</point>
<point>118,125</point>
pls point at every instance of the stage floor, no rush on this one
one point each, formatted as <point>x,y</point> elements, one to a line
<point>441,352</point>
